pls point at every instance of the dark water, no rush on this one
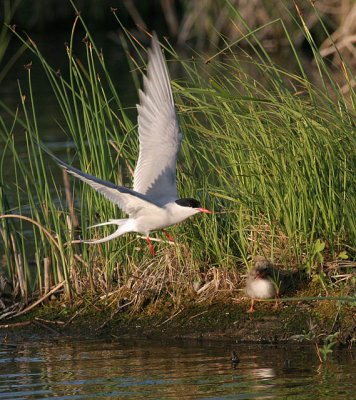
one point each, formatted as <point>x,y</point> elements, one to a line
<point>136,369</point>
<point>49,117</point>
<point>52,128</point>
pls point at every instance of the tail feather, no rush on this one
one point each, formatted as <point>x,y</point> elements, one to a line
<point>124,226</point>
<point>114,235</point>
<point>117,222</point>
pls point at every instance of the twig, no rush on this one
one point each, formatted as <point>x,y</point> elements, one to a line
<point>170,318</point>
<point>13,309</point>
<point>15,325</point>
<point>46,327</point>
<point>318,352</point>
<point>197,315</point>
<point>107,295</point>
<point>19,269</point>
<point>70,202</point>
<point>49,236</point>
<point>32,221</point>
<point>33,305</point>
<point>7,314</point>
<point>77,313</point>
<point>291,299</point>
<point>116,312</point>
<point>204,287</point>
<point>47,321</point>
<point>47,274</point>
<point>80,259</point>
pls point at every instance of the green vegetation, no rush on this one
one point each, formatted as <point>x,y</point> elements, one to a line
<point>9,9</point>
<point>270,150</point>
<point>324,349</point>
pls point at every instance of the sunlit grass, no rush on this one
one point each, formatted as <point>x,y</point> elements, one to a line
<point>268,150</point>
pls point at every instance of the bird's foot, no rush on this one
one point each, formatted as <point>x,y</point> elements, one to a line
<point>276,305</point>
<point>152,250</point>
<point>252,308</point>
<point>169,237</point>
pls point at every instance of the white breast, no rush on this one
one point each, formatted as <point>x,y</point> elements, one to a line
<point>260,289</point>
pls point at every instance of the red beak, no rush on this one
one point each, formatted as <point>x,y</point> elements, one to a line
<point>204,210</point>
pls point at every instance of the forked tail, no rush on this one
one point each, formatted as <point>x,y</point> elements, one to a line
<point>124,226</point>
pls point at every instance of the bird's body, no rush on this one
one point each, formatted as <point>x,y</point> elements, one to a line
<point>153,203</point>
<point>260,288</point>
<point>160,218</point>
<point>260,282</point>
<point>266,281</point>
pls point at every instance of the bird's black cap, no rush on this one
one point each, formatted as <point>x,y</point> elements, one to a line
<point>188,203</point>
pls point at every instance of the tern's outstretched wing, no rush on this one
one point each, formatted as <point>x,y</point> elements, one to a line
<point>160,139</point>
<point>128,200</point>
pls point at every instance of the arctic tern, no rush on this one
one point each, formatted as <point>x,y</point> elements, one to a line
<point>153,203</point>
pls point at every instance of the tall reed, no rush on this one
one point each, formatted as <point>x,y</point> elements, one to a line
<point>268,149</point>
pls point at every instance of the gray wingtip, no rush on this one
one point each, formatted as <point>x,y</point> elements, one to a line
<point>56,159</point>
<point>61,163</point>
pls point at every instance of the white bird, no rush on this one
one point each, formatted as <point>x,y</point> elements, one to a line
<point>260,282</point>
<point>153,203</point>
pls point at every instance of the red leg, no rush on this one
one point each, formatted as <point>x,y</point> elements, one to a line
<point>276,304</point>
<point>152,250</point>
<point>252,308</point>
<point>169,237</point>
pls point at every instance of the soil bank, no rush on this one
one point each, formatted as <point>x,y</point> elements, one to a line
<point>220,320</point>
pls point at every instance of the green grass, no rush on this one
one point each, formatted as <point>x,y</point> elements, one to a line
<point>268,149</point>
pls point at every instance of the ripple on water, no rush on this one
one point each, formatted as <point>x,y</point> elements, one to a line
<point>146,370</point>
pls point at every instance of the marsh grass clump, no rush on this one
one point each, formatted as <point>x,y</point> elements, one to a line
<point>323,344</point>
<point>268,149</point>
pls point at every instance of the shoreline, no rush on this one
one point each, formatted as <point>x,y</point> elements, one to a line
<point>220,320</point>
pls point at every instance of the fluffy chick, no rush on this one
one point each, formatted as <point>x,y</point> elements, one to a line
<point>261,281</point>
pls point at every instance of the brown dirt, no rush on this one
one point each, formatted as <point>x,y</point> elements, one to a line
<point>216,321</point>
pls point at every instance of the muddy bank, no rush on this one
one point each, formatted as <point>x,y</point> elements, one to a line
<point>218,321</point>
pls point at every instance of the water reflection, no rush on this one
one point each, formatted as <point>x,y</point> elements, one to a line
<point>137,369</point>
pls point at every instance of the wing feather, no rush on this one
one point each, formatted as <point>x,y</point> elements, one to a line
<point>159,135</point>
<point>128,200</point>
